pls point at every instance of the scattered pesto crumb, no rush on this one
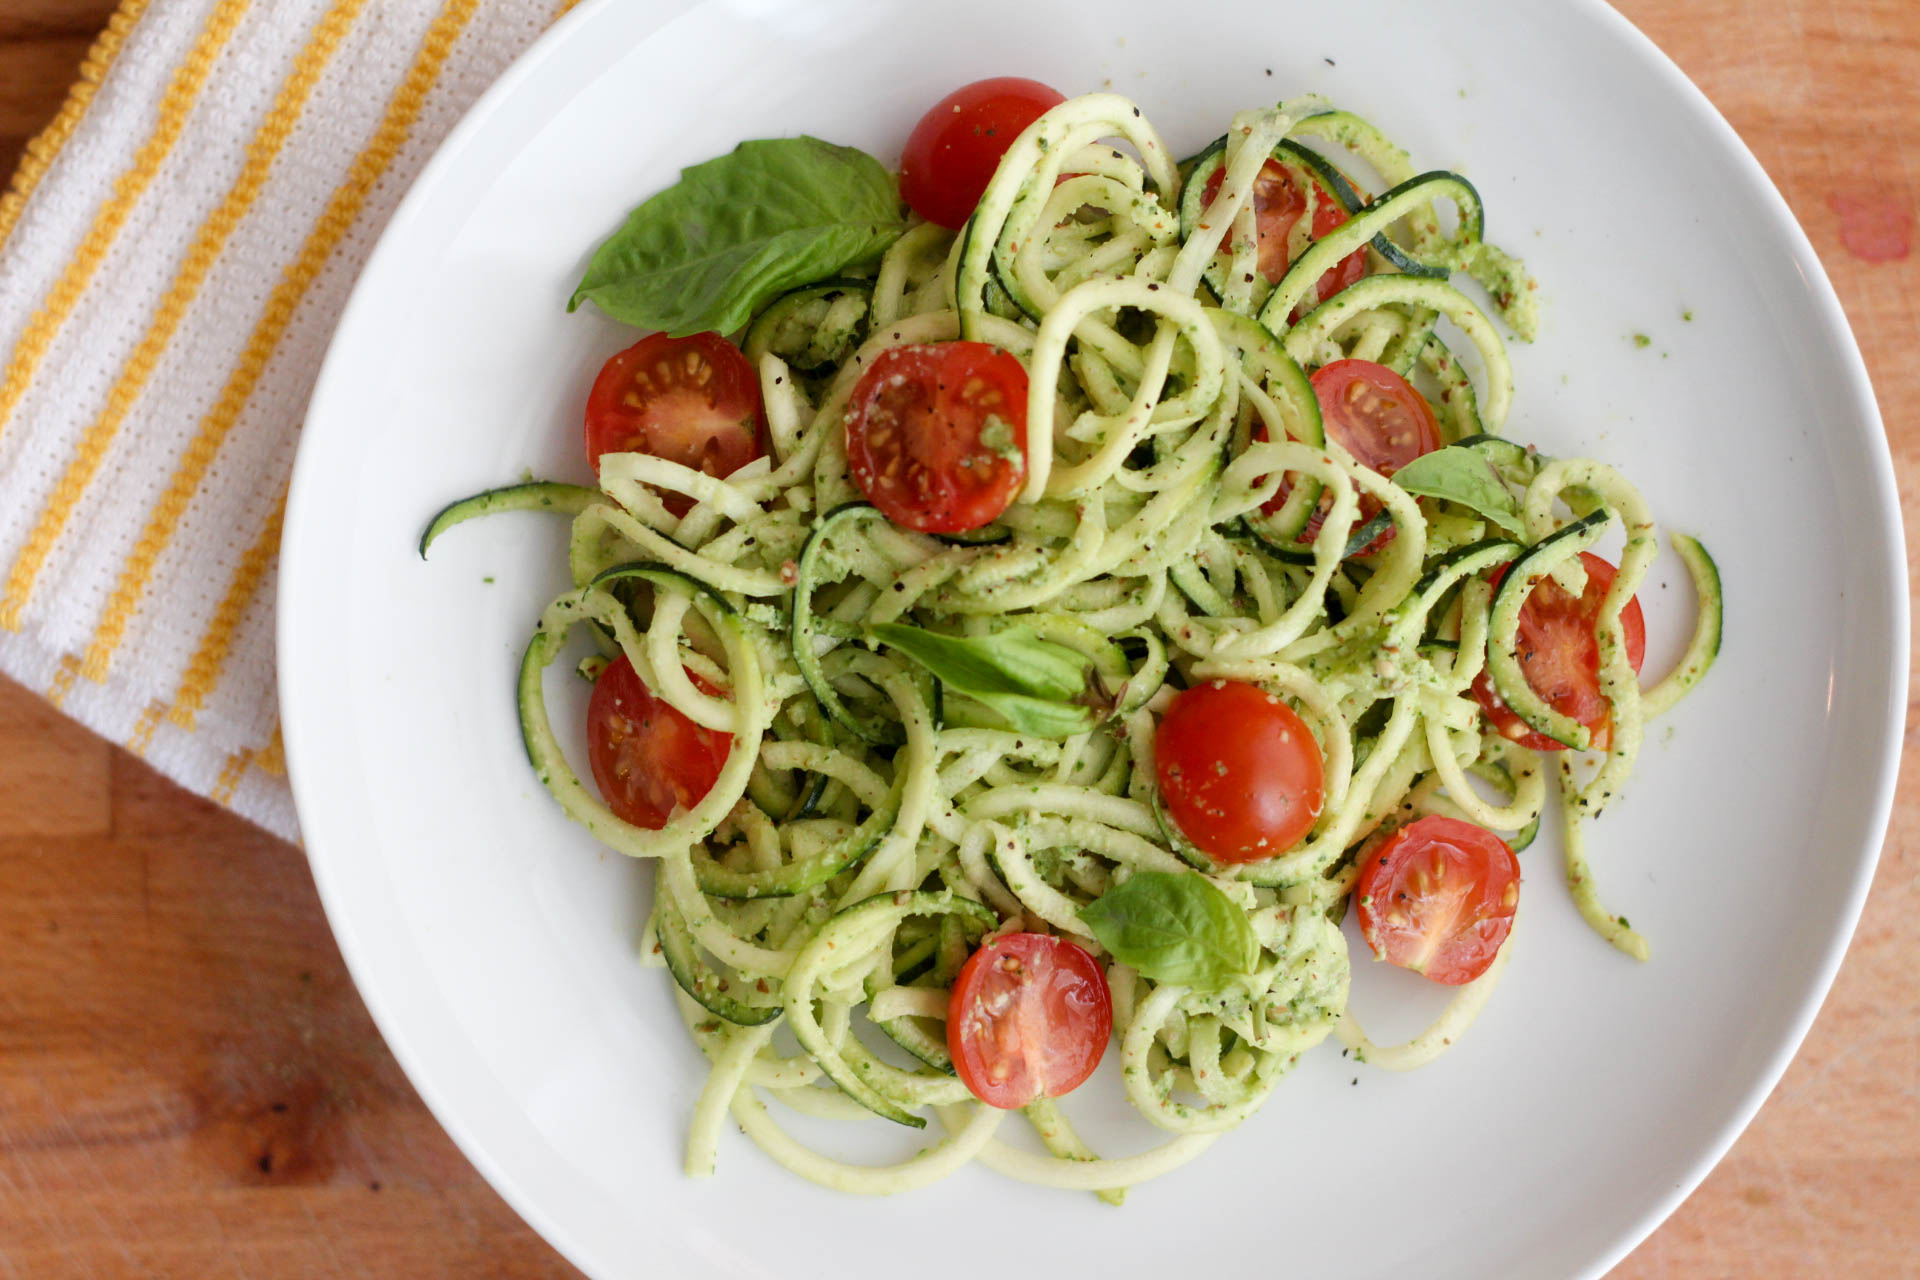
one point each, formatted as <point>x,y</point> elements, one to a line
<point>1687,316</point>
<point>488,579</point>
<point>1642,340</point>
<point>1623,922</point>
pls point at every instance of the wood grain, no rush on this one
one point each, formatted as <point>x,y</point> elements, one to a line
<point>189,1085</point>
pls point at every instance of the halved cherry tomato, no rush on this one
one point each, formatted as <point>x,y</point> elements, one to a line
<point>1375,414</point>
<point>1378,417</point>
<point>1240,773</point>
<point>648,757</point>
<point>1437,897</point>
<point>937,434</point>
<point>693,400</point>
<point>1029,1017</point>
<point>1277,205</point>
<point>1560,656</point>
<point>951,154</point>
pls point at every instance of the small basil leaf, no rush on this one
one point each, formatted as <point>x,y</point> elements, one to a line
<point>741,229</point>
<point>1462,475</point>
<point>1037,716</point>
<point>1037,686</point>
<point>1011,660</point>
<point>1177,928</point>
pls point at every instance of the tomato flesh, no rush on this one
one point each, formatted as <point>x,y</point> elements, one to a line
<point>937,434</point>
<point>1560,656</point>
<point>951,154</point>
<point>1375,414</point>
<point>1277,205</point>
<point>1029,1017</point>
<point>1437,897</point>
<point>1378,417</point>
<point>691,400</point>
<point>649,759</point>
<point>1239,771</point>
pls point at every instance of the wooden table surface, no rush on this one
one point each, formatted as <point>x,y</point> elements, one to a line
<point>190,1086</point>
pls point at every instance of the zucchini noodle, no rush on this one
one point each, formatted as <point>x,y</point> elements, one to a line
<point>1184,517</point>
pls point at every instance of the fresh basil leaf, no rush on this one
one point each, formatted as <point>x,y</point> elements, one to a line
<point>1039,687</point>
<point>1177,928</point>
<point>1037,717</point>
<point>738,231</point>
<point>1011,660</point>
<point>1463,475</point>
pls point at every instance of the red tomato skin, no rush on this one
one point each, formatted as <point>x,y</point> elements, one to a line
<point>1008,990</point>
<point>1438,897</point>
<point>648,758</point>
<point>1327,218</point>
<point>1240,773</point>
<point>918,427</point>
<point>692,400</point>
<point>1565,656</point>
<point>1277,205</point>
<point>951,154</point>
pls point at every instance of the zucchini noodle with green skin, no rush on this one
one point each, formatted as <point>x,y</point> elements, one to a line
<point>870,825</point>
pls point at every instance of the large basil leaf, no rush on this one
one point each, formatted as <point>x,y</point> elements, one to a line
<point>1174,927</point>
<point>1462,474</point>
<point>1039,687</point>
<point>739,230</point>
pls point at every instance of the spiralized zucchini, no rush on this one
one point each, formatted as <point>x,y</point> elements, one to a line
<point>869,828</point>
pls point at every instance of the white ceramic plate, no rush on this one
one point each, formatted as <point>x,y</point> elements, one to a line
<point>494,941</point>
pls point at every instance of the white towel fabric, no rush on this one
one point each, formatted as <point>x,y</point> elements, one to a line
<point>174,254</point>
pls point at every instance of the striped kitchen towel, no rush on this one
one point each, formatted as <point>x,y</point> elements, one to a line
<point>174,252</point>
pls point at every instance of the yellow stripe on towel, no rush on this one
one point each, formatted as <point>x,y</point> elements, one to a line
<point>143,730</point>
<point>183,91</point>
<point>334,223</point>
<point>46,146</point>
<point>272,759</point>
<point>216,643</point>
<point>63,679</point>
<point>231,775</point>
<point>208,243</point>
